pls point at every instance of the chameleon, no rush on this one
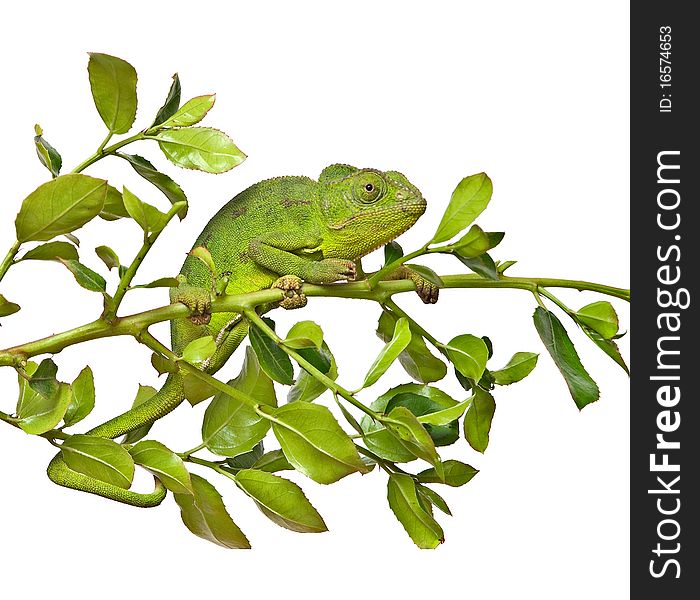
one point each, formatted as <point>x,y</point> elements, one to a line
<point>277,233</point>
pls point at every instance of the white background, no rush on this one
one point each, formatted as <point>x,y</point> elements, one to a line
<point>535,94</point>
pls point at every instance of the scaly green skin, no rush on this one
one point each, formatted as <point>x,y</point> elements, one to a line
<point>287,226</point>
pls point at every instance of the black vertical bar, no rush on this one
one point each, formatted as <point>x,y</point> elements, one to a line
<point>665,430</point>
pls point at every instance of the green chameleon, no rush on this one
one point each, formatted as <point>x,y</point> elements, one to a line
<point>277,233</point>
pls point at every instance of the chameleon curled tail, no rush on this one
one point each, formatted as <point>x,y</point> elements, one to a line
<point>163,402</point>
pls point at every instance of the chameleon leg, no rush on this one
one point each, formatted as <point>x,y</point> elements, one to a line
<point>163,402</point>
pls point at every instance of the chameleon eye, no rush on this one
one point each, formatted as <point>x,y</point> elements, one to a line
<point>369,187</point>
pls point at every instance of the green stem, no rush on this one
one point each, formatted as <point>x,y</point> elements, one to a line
<point>415,326</point>
<point>188,453</point>
<point>375,278</point>
<point>558,302</point>
<point>9,258</point>
<point>101,152</point>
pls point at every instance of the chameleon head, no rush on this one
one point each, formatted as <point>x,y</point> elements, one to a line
<point>364,209</point>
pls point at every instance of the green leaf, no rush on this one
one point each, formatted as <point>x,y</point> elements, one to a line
<point>82,399</point>
<point>113,85</point>
<point>433,498</point>
<point>7,307</point>
<point>416,359</point>
<point>446,415</point>
<point>247,459</point>
<point>150,219</point>
<point>171,104</point>
<point>304,334</point>
<point>38,413</point>
<point>201,148</point>
<point>477,421</point>
<point>201,253</point>
<point>314,443</point>
<point>392,251</point>
<point>608,346</point>
<point>204,514</point>
<point>99,458</point>
<point>172,191</point>
<point>422,528</point>
<point>391,351</point>
<point>74,239</point>
<point>600,317</point>
<point>518,367</point>
<point>231,427</point>
<point>48,155</point>
<point>191,112</point>
<point>108,257</point>
<point>474,243</point>
<point>113,208</point>
<point>481,265</point>
<point>404,425</point>
<point>560,347</point>
<point>199,350</point>
<point>145,392</point>
<point>307,388</point>
<point>456,474</point>
<point>164,464</point>
<point>86,277</point>
<point>60,206</point>
<point>44,379</point>
<point>468,201</point>
<point>468,354</point>
<point>281,500</point>
<point>52,251</point>
<point>167,282</point>
<point>197,390</point>
<point>272,358</point>
<point>427,273</point>
<point>273,461</point>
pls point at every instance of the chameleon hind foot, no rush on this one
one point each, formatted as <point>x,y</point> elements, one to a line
<point>291,286</point>
<point>197,299</point>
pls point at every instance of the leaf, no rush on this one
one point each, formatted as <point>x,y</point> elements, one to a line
<point>82,399</point>
<point>316,358</point>
<point>199,350</point>
<point>171,104</point>
<point>456,474</point>
<point>314,443</point>
<point>145,392</point>
<point>48,155</point>
<point>304,334</point>
<point>404,425</point>
<point>44,381</point>
<point>307,388</point>
<point>600,317</point>
<point>38,413</point>
<point>113,208</point>
<point>416,359</point>
<point>560,347</point>
<point>172,191</point>
<point>477,421</point>
<point>247,459</point>
<point>231,427</point>
<point>468,201</point>
<point>468,354</point>
<point>272,358</point>
<point>281,500</point>
<point>433,498</point>
<point>167,282</point>
<point>191,112</point>
<point>52,251</point>
<point>201,253</point>
<point>149,218</point>
<point>518,367</point>
<point>422,528</point>
<point>446,415</point>
<point>395,346</point>
<point>108,257</point>
<point>164,464</point>
<point>427,273</point>
<point>608,346</point>
<point>60,206</point>
<point>201,148</point>
<point>86,277</point>
<point>481,265</point>
<point>204,514</point>
<point>392,251</point>
<point>273,461</point>
<point>99,458</point>
<point>474,243</point>
<point>72,238</point>
<point>113,85</point>
<point>8,307</point>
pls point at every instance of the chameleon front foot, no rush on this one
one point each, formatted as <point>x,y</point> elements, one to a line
<point>197,299</point>
<point>291,286</point>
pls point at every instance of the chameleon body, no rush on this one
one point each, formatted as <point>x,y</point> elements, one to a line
<point>277,233</point>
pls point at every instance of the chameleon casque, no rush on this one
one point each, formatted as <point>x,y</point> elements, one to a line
<point>277,233</point>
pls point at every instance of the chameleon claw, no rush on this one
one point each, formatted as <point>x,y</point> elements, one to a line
<point>291,286</point>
